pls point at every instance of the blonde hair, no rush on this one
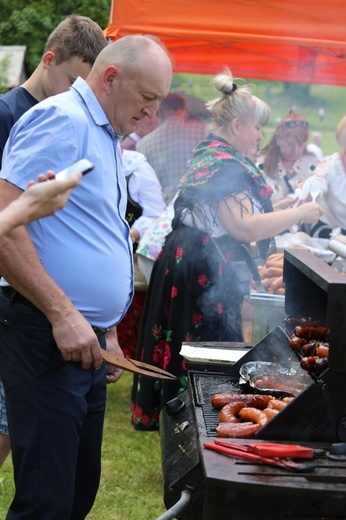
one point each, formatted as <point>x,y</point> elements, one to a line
<point>340,133</point>
<point>235,102</point>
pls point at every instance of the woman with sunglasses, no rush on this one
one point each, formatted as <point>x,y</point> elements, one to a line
<point>285,161</point>
<point>195,291</point>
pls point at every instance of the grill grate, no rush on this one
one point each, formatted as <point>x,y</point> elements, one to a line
<point>205,385</point>
<point>211,419</point>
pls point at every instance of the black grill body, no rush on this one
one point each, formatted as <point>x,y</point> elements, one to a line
<point>225,488</point>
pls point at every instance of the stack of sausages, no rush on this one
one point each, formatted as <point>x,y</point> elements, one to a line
<point>242,415</point>
<point>271,274</point>
<point>311,343</point>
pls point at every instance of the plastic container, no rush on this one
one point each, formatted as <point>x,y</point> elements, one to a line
<point>268,312</point>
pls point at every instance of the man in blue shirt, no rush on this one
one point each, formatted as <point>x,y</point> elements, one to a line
<point>70,278</point>
<point>70,51</point>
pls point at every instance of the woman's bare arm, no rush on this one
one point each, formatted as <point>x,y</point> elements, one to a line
<point>242,224</point>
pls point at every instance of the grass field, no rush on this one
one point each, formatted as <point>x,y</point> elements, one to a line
<point>131,482</point>
<point>281,101</point>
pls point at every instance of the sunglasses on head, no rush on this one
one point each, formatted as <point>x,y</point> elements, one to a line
<point>293,123</point>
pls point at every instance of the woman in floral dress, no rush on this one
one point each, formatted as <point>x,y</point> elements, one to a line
<point>223,202</point>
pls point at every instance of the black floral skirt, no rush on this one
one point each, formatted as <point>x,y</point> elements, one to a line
<point>193,296</point>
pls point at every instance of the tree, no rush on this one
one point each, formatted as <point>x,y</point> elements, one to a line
<point>30,22</point>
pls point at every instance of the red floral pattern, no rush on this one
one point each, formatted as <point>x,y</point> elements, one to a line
<point>203,280</point>
<point>174,316</point>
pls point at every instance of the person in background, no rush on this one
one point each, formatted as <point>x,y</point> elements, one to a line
<point>315,146</point>
<point>144,205</point>
<point>223,203</point>
<point>321,114</point>
<point>70,51</point>
<point>68,279</point>
<point>169,147</point>
<point>150,245</point>
<point>328,186</point>
<point>144,127</point>
<point>144,192</point>
<point>285,161</point>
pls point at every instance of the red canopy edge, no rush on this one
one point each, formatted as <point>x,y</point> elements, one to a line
<point>297,41</point>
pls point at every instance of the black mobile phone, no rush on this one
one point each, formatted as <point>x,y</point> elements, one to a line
<point>84,166</point>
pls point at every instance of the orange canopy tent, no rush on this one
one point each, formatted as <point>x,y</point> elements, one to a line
<point>284,40</point>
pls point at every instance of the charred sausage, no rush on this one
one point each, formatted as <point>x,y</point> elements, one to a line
<point>309,348</point>
<point>296,343</point>
<point>307,332</point>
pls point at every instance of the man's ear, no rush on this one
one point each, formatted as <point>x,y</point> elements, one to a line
<point>48,59</point>
<point>109,76</point>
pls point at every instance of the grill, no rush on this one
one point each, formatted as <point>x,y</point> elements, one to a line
<point>228,488</point>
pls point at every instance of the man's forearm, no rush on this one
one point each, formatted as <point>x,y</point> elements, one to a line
<point>22,269</point>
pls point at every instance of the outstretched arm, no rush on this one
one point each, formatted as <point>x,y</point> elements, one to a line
<point>39,200</point>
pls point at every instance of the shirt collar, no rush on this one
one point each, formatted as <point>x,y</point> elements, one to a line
<point>91,101</point>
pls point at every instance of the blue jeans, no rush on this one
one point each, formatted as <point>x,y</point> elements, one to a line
<point>55,417</point>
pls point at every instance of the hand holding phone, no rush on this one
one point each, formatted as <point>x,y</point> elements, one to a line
<point>84,166</point>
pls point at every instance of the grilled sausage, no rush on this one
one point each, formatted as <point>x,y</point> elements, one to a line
<point>277,284</point>
<point>270,413</point>
<point>289,386</point>
<point>218,401</point>
<point>237,431</point>
<point>308,363</point>
<point>321,365</point>
<point>287,399</point>
<point>322,350</point>
<point>281,290</point>
<point>275,272</point>
<point>230,411</point>
<point>277,404</point>
<point>254,415</point>
<point>314,364</point>
<point>309,348</point>
<point>266,282</point>
<point>296,343</point>
<point>321,333</point>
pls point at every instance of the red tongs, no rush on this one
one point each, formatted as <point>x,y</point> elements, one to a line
<point>269,453</point>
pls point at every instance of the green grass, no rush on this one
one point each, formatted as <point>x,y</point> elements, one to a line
<point>131,482</point>
<point>332,98</point>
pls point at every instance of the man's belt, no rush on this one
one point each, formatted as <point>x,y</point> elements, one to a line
<point>15,297</point>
